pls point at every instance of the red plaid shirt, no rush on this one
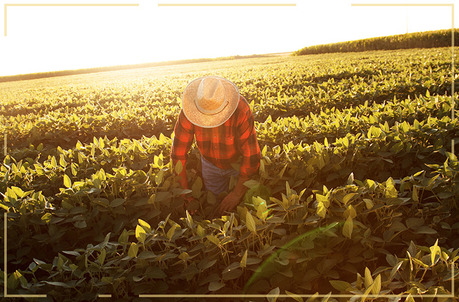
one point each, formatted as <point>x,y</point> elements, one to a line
<point>222,145</point>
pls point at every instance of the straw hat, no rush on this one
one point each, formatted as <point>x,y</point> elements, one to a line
<point>209,101</point>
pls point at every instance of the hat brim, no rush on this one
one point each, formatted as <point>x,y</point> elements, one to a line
<point>205,120</point>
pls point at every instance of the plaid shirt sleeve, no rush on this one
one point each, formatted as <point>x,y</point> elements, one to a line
<point>248,144</point>
<point>183,138</point>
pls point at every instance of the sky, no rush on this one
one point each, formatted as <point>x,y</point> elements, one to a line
<point>38,38</point>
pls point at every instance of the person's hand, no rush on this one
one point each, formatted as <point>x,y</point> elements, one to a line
<point>229,203</point>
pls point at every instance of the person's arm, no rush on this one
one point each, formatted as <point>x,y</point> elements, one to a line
<point>183,138</point>
<point>231,200</point>
<point>251,155</point>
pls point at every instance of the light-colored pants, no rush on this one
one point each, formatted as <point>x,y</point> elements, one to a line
<point>216,180</point>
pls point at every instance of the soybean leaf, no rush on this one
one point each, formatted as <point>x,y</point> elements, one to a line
<point>214,286</point>
<point>348,227</point>
<point>273,295</point>
<point>250,222</point>
<point>140,234</point>
<point>67,181</point>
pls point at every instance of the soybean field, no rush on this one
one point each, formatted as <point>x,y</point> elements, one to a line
<point>356,198</point>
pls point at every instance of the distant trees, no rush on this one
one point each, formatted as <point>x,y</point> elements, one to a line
<point>429,39</point>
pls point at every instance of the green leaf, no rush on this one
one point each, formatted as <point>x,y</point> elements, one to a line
<point>155,273</point>
<point>213,239</point>
<point>350,179</point>
<point>321,209</point>
<point>53,162</point>
<point>348,227</point>
<point>59,284</point>
<point>425,230</point>
<point>206,263</point>
<point>101,257</point>
<point>178,167</point>
<point>214,286</point>
<point>200,231</point>
<point>376,288</point>
<point>395,269</point>
<point>184,256</point>
<point>46,218</point>
<point>244,259</point>
<point>451,156</point>
<point>231,274</point>
<point>368,279</point>
<point>250,222</point>
<point>62,161</point>
<point>81,224</point>
<point>345,142</point>
<point>117,202</point>
<point>123,238</point>
<point>171,232</point>
<point>323,199</point>
<point>434,251</point>
<point>348,197</point>
<point>350,212</point>
<point>294,296</point>
<point>133,250</point>
<point>273,295</point>
<point>18,191</point>
<point>367,291</point>
<point>251,183</point>
<point>391,191</point>
<point>147,255</point>
<point>342,286</point>
<point>196,187</point>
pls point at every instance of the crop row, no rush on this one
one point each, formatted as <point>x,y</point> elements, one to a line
<point>62,116</point>
<point>224,254</point>
<point>132,171</point>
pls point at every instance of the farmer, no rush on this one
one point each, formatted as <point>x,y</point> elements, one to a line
<point>216,114</point>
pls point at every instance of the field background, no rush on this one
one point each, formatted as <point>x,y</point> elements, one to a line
<point>356,195</point>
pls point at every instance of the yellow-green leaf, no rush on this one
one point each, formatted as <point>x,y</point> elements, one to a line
<point>250,222</point>
<point>391,191</point>
<point>179,167</point>
<point>171,232</point>
<point>273,294</point>
<point>376,285</point>
<point>348,227</point>
<point>368,278</point>
<point>200,231</point>
<point>133,250</point>
<point>434,250</point>
<point>213,239</point>
<point>294,296</point>
<point>321,210</point>
<point>101,257</point>
<point>67,181</point>
<point>350,212</point>
<point>342,286</point>
<point>214,286</point>
<point>244,259</point>
<point>140,234</point>
<point>144,225</point>
<point>368,203</point>
<point>348,197</point>
<point>367,291</point>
